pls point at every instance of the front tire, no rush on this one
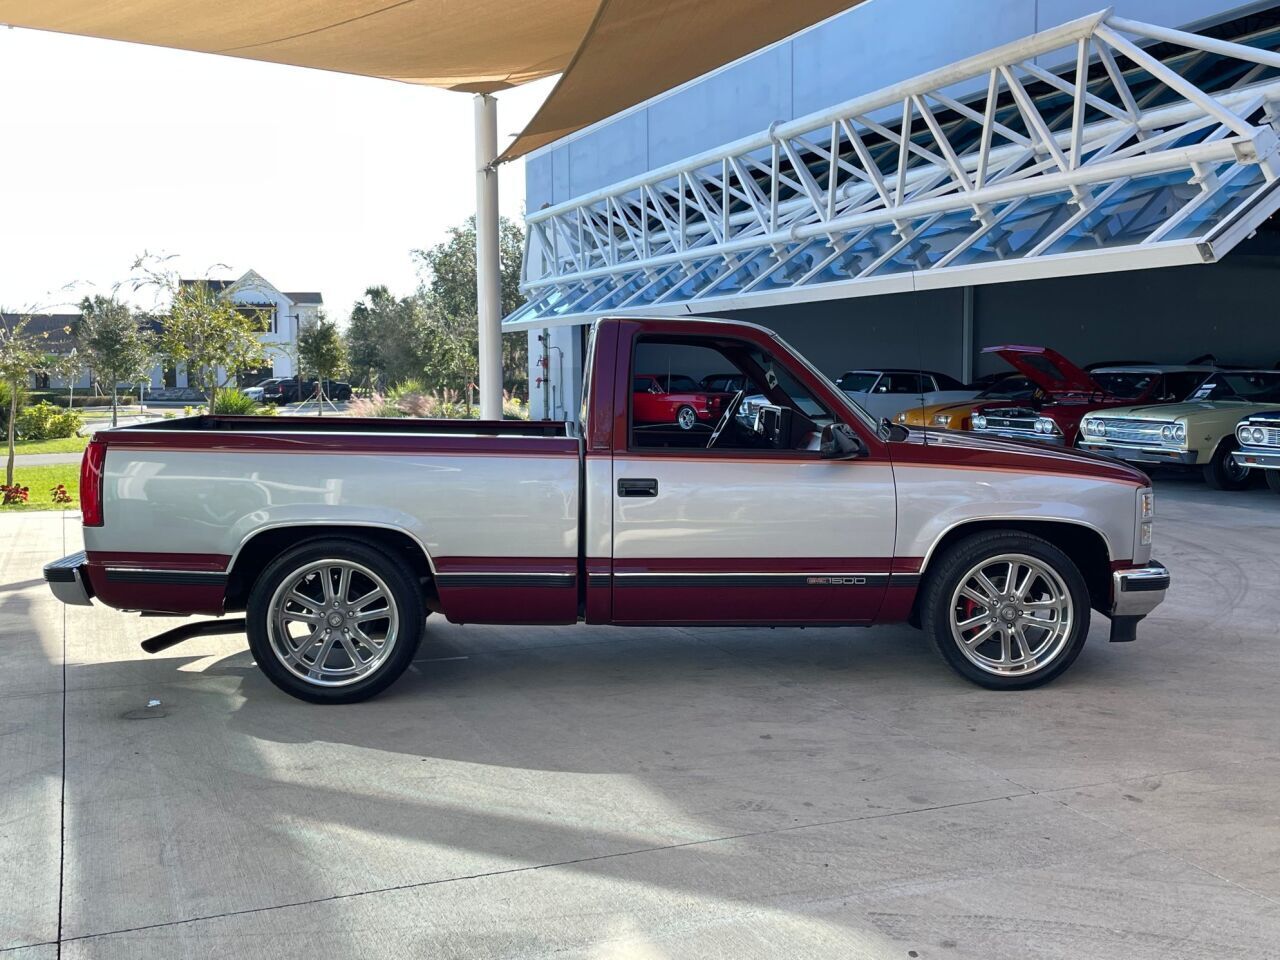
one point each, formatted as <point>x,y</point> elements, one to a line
<point>1222,472</point>
<point>686,418</point>
<point>334,621</point>
<point>1273,480</point>
<point>1006,610</point>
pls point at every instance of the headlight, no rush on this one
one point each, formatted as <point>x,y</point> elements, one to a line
<point>1045,425</point>
<point>979,422</point>
<point>901,418</point>
<point>1100,427</point>
<point>1258,435</point>
<point>942,420</point>
<point>1179,432</point>
<point>1166,433</point>
<point>1147,504</point>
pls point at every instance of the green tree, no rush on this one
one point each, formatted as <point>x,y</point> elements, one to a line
<point>366,329</point>
<point>117,346</point>
<point>448,271</point>
<point>214,337</point>
<point>21,354</point>
<point>321,350</point>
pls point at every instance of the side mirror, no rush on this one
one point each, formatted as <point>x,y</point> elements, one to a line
<point>840,442</point>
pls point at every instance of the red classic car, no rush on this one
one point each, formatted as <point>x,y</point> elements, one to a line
<point>674,398</point>
<point>1073,392</point>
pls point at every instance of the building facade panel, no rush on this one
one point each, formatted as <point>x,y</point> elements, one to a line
<point>859,51</point>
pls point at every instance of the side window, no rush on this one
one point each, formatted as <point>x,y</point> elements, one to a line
<point>723,395</point>
<point>901,383</point>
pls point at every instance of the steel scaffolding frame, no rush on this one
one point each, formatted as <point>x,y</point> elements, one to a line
<point>929,184</point>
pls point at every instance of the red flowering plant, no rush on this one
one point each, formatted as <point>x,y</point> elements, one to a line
<point>14,493</point>
<point>59,494</point>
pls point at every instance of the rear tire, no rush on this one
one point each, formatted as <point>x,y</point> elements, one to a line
<point>1273,480</point>
<point>1222,472</point>
<point>1034,624</point>
<point>686,418</point>
<point>334,621</point>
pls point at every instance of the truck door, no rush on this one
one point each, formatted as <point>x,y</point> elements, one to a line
<point>735,517</point>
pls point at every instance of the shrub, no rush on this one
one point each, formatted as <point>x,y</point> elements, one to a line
<point>59,494</point>
<point>83,398</point>
<point>406,388</point>
<point>233,403</point>
<point>374,406</point>
<point>267,410</point>
<point>513,408</point>
<point>5,390</point>
<point>44,421</point>
<point>14,494</point>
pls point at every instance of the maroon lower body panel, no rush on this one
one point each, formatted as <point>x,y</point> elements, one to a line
<point>776,591</point>
<point>515,590</point>
<point>178,583</point>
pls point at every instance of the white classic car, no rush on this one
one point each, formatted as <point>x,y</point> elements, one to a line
<point>887,393</point>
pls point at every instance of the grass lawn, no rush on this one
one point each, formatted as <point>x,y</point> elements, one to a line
<point>68,445</point>
<point>41,481</point>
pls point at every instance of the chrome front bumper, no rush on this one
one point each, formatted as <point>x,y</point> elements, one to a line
<point>1052,439</point>
<point>67,580</point>
<point>1262,459</point>
<point>1136,591</point>
<point>1186,458</point>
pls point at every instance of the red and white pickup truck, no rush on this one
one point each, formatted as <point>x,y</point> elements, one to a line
<point>338,537</point>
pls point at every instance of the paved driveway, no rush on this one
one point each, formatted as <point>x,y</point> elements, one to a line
<point>590,792</point>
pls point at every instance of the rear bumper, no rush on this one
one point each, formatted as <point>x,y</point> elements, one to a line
<point>68,580</point>
<point>1156,455</point>
<point>1261,459</point>
<point>1136,591</point>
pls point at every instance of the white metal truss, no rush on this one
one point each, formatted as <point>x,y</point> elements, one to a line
<point>1117,161</point>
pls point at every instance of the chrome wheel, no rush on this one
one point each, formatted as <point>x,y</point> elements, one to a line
<point>332,622</point>
<point>686,418</point>
<point>1011,615</point>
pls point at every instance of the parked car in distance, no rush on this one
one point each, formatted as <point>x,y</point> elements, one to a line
<point>1198,433</point>
<point>886,393</point>
<point>1072,393</point>
<point>256,391</point>
<point>1003,388</point>
<point>291,390</point>
<point>1258,436</point>
<point>336,535</point>
<point>660,399</point>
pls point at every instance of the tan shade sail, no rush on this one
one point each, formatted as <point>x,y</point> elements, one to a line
<point>613,53</point>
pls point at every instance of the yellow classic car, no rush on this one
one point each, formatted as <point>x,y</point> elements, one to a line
<point>1199,432</point>
<point>1007,391</point>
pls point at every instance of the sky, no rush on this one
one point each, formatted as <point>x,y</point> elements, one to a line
<point>318,181</point>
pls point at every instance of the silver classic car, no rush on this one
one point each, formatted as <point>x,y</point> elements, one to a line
<point>1259,437</point>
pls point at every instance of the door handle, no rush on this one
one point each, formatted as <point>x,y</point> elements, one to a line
<point>638,488</point>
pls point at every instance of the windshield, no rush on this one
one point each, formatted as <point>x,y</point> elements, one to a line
<point>1129,383</point>
<point>849,403</point>
<point>858,381</point>
<point>1015,387</point>
<point>1254,386</point>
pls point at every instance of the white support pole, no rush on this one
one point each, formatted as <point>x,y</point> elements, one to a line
<point>488,288</point>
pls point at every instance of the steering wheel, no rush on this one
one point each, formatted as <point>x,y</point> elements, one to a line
<point>726,417</point>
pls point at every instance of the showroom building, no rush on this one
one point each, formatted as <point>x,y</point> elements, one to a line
<point>1125,217</point>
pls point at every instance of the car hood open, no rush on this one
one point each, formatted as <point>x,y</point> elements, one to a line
<point>1047,369</point>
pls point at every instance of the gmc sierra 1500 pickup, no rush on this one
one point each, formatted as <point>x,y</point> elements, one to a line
<point>337,537</point>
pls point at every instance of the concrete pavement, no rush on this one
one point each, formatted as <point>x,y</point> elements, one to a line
<point>652,793</point>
